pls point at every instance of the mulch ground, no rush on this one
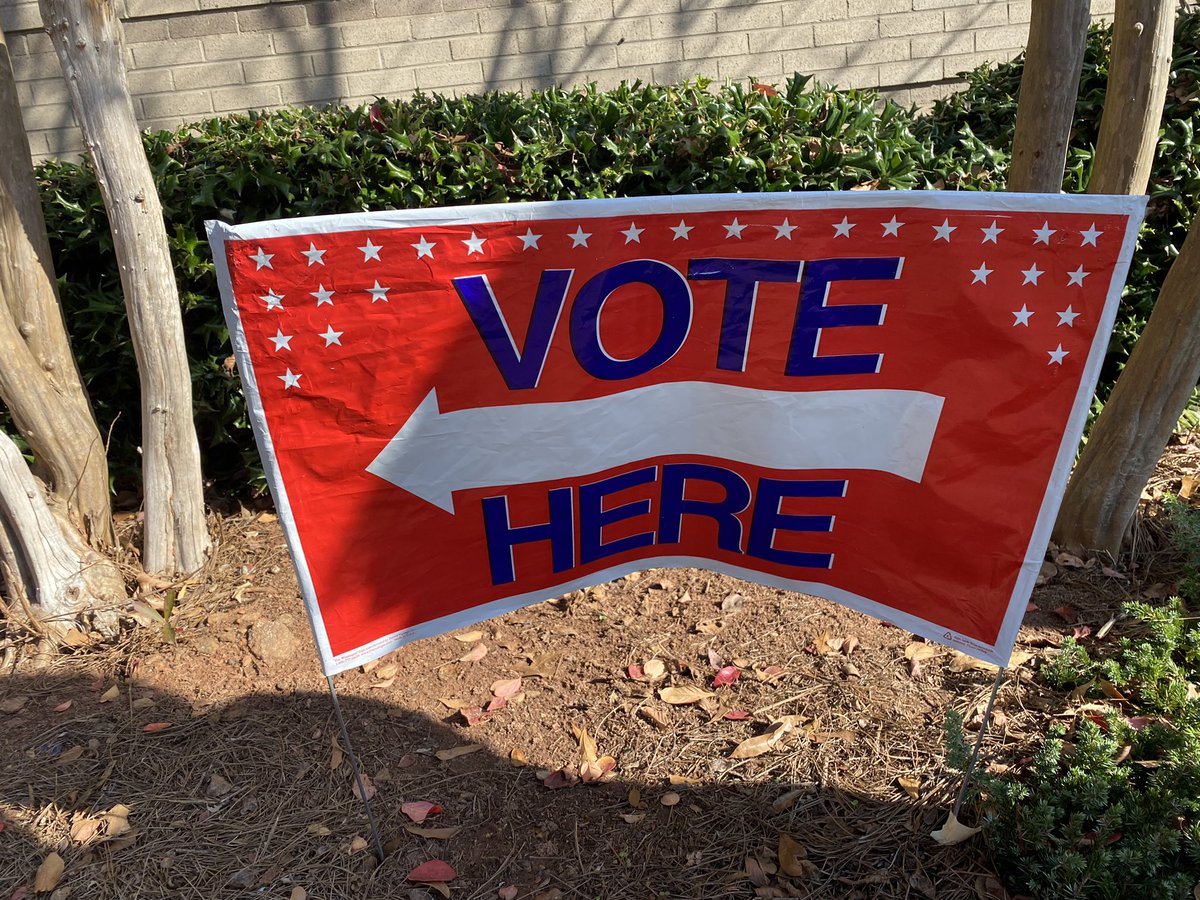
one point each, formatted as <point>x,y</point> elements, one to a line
<point>539,747</point>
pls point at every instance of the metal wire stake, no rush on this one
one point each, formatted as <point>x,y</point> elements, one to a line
<point>983,727</point>
<point>362,794</point>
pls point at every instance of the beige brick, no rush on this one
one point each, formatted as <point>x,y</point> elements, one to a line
<point>644,53</point>
<point>40,65</point>
<point>745,18</point>
<point>149,56</point>
<point>761,66</point>
<point>982,16</point>
<point>709,45</point>
<point>236,46</point>
<point>626,8</point>
<point>574,11</point>
<point>310,91</point>
<point>911,70</point>
<point>137,9</point>
<point>513,18</point>
<point>44,92</point>
<point>390,8</point>
<point>583,60</point>
<point>177,105</point>
<point>376,32</point>
<point>1005,38</point>
<point>794,37</point>
<point>338,62</point>
<point>891,50</point>
<point>965,62</point>
<point>64,143</point>
<point>271,18</point>
<point>208,75</point>
<point>385,83</point>
<point>20,16</point>
<point>514,68</point>
<point>1104,8</point>
<point>138,32</point>
<point>302,41</point>
<point>153,81</point>
<point>445,25</point>
<point>203,24</point>
<point>456,5</point>
<point>617,31</point>
<point>221,4</point>
<point>877,7</point>
<point>39,117</point>
<point>680,24</point>
<point>928,22</point>
<point>240,99</point>
<point>608,79</point>
<point>333,12</point>
<point>813,59</point>
<point>676,72</point>
<point>809,11</point>
<point>483,46</point>
<point>942,44</point>
<point>850,76</point>
<point>536,40</point>
<point>415,53</point>
<point>939,4</point>
<point>449,75</point>
<point>277,68</point>
<point>1020,11</point>
<point>849,32</point>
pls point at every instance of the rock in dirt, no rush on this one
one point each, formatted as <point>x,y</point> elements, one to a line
<point>206,645</point>
<point>274,640</point>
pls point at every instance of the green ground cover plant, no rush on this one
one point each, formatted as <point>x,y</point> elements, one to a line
<point>634,140</point>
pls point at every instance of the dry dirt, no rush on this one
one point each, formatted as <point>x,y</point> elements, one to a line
<point>220,752</point>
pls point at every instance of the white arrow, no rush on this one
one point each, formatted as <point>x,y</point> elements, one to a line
<point>437,453</point>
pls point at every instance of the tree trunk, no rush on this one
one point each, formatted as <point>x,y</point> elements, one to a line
<point>39,381</point>
<point>53,577</point>
<point>1049,87</point>
<point>85,34</point>
<point>1128,438</point>
<point>1133,103</point>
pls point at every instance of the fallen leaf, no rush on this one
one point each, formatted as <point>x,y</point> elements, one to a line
<point>850,645</point>
<point>634,798</point>
<point>1070,560</point>
<point>541,666</point>
<point>960,662</point>
<point>475,654</point>
<point>1065,612</point>
<point>1156,591</point>
<point>754,871</point>
<point>420,810</point>
<point>1079,632</point>
<point>506,688</point>
<point>670,798</point>
<point>736,715</point>
<point>1106,628</point>
<point>759,744</point>
<point>320,830</point>
<point>368,789</point>
<point>62,707</point>
<point>911,785</point>
<point>473,715</point>
<point>655,716</point>
<point>768,673</point>
<point>298,893</point>
<point>469,637</point>
<point>455,752</point>
<point>83,830</point>
<point>454,703</point>
<point>587,745</point>
<point>953,832</point>
<point>49,873</point>
<point>726,676</point>
<point>918,650</point>
<point>69,756</point>
<point>431,871</point>
<point>143,702</point>
<point>155,727</point>
<point>335,755</point>
<point>683,695</point>
<point>793,858</point>
<point>787,800</point>
<point>217,786</point>
<point>1113,573</point>
<point>13,705</point>
<point>682,779</point>
<point>437,834</point>
<point>635,672</point>
<point>517,757</point>
<point>110,695</point>
<point>654,669</point>
<point>75,638</point>
<point>633,818</point>
<point>405,761</point>
<point>508,892</point>
<point>560,778</point>
<point>733,603</point>
<point>358,843</point>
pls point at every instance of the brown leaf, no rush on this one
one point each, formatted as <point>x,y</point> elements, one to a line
<point>960,662</point>
<point>475,654</point>
<point>682,779</point>
<point>634,798</point>
<point>541,666</point>
<point>508,892</point>
<point>733,603</point>
<point>69,756</point>
<point>683,695</point>
<point>787,800</point>
<point>469,637</point>
<point>655,716</point>
<point>155,727</point>
<point>754,870</point>
<point>1069,560</point>
<point>217,786</point>
<point>758,745</point>
<point>454,703</point>
<point>13,705</point>
<point>793,858</point>
<point>654,669</point>
<point>560,778</point>
<point>49,873</point>
<point>358,843</point>
<point>473,715</point>
<point>335,755</point>
<point>587,746</point>
<point>298,893</point>
<point>110,695</point>
<point>911,785</point>
<point>455,752</point>
<point>62,707</point>
<point>670,798</point>
<point>506,688</point>
<point>437,834</point>
<point>1066,613</point>
<point>84,829</point>
<point>953,832</point>
<point>517,757</point>
<point>633,818</point>
<point>367,788</point>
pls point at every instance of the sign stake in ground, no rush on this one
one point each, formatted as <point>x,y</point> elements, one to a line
<point>983,727</point>
<point>358,780</point>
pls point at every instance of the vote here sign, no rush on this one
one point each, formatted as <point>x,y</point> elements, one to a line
<point>871,397</point>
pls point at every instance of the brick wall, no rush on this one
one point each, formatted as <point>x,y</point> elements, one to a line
<point>189,59</point>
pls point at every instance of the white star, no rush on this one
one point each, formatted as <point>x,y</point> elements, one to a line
<point>991,233</point>
<point>378,293</point>
<point>475,244</point>
<point>262,260</point>
<point>289,380</point>
<point>784,231</point>
<point>322,295</point>
<point>1089,235</point>
<point>681,230</point>
<point>1056,355</point>
<point>423,248</point>
<point>1067,317</point>
<point>331,336</point>
<point>981,273</point>
<point>282,341</point>
<point>273,300</point>
<point>943,231</point>
<point>1043,234</point>
<point>371,251</point>
<point>314,255</point>
<point>842,228</point>
<point>634,234</point>
<point>892,228</point>
<point>529,240</point>
<point>1032,274</point>
<point>1022,316</point>
<point>1077,277</point>
<point>734,229</point>
<point>579,237</point>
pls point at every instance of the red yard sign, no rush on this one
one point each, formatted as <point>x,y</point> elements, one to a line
<point>870,397</point>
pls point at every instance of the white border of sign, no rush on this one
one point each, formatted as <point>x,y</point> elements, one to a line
<point>1134,207</point>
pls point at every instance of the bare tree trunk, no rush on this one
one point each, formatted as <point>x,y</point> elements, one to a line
<point>53,577</point>
<point>86,37</point>
<point>39,381</point>
<point>1133,104</point>
<point>1049,87</point>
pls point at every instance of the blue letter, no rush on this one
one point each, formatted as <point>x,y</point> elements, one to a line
<point>520,369</point>
<point>767,519</point>
<point>593,516</point>
<point>742,277</point>
<point>502,537</point>
<point>813,315</point>
<point>676,299</point>
<point>675,506</point>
